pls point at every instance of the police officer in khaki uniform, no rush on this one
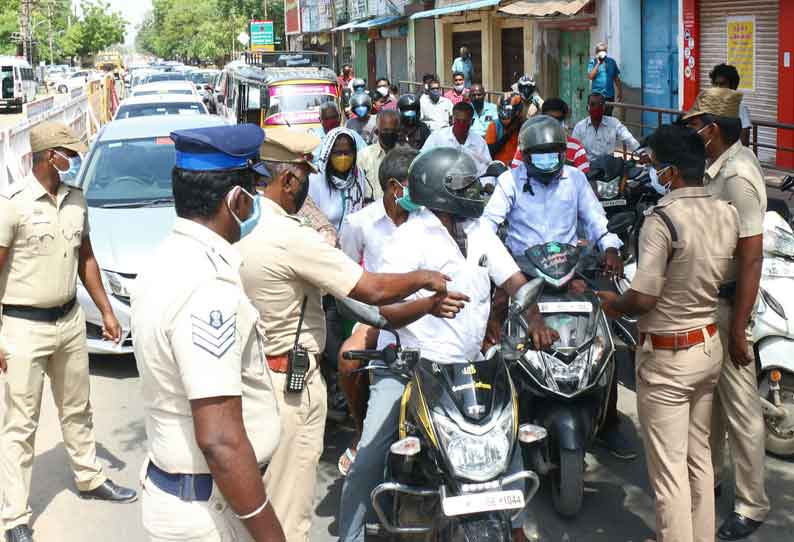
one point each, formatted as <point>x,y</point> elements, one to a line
<point>287,265</point>
<point>735,175</point>
<point>211,416</point>
<point>44,247</point>
<point>686,247</point>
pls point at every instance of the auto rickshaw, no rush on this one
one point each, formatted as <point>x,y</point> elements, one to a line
<point>277,90</point>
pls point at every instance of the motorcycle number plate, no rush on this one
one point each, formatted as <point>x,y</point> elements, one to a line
<point>482,502</point>
<point>565,306</point>
<point>613,203</point>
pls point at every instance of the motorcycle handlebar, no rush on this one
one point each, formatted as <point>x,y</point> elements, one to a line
<point>363,355</point>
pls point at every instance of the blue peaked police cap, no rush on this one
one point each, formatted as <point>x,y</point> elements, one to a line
<point>219,148</point>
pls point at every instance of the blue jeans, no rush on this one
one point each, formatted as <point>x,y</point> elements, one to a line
<point>380,431</point>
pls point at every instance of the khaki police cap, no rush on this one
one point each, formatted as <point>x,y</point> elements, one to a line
<point>52,135</point>
<point>289,146</point>
<point>717,101</point>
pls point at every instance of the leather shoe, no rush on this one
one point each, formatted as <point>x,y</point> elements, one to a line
<point>737,527</point>
<point>109,491</point>
<point>20,533</point>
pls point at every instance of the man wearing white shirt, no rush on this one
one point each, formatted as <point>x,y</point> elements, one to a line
<point>601,134</point>
<point>446,236</point>
<point>460,136</point>
<point>434,108</point>
<point>544,201</point>
<point>364,238</point>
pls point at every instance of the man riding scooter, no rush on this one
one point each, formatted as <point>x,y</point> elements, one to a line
<point>444,181</point>
<point>544,200</point>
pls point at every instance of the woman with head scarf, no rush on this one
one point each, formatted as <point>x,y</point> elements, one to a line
<point>338,187</point>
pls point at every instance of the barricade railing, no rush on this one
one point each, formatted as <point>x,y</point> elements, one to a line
<point>668,115</point>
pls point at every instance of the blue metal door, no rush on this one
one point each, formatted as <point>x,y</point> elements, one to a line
<point>659,59</point>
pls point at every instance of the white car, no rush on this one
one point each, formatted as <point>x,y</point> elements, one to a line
<point>165,87</point>
<point>160,104</point>
<point>126,179</point>
<point>74,80</point>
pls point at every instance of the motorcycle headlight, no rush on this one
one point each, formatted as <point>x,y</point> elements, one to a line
<point>608,190</point>
<point>116,284</point>
<point>479,458</point>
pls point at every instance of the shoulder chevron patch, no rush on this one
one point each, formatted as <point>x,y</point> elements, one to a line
<point>215,335</point>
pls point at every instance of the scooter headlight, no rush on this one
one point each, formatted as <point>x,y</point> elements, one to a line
<point>479,458</point>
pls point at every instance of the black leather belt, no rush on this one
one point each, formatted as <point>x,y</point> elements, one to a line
<point>188,487</point>
<point>727,291</point>
<point>38,314</point>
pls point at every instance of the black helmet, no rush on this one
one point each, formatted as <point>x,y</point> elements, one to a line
<point>358,101</point>
<point>408,104</point>
<point>507,109</point>
<point>526,86</point>
<point>445,179</point>
<point>358,85</point>
<point>543,134</point>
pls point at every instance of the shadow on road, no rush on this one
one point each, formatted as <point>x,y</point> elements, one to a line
<point>113,366</point>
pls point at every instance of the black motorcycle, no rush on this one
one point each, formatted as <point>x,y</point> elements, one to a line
<point>448,476</point>
<point>564,389</point>
<point>609,177</point>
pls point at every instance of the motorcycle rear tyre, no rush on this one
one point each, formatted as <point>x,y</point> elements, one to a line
<point>567,483</point>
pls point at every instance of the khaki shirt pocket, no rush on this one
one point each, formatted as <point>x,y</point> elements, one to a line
<point>73,226</point>
<point>38,236</point>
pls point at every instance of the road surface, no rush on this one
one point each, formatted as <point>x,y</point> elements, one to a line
<point>618,506</point>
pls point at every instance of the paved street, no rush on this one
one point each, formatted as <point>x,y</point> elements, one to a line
<point>618,507</point>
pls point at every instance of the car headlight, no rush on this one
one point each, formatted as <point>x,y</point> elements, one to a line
<point>479,458</point>
<point>116,284</point>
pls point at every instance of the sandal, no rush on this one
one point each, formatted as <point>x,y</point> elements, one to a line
<point>346,461</point>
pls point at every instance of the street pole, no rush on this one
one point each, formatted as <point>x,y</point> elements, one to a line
<point>49,18</point>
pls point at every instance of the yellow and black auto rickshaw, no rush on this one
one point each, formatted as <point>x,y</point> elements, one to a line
<point>277,90</point>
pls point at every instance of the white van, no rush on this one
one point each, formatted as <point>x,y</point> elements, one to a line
<point>17,82</point>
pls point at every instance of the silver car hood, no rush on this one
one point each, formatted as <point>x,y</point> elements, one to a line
<point>124,238</point>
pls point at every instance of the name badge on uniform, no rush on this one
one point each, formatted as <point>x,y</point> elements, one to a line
<point>39,218</point>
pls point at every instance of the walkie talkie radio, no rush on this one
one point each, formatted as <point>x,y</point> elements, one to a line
<point>298,359</point>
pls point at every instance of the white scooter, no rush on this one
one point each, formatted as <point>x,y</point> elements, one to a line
<point>773,333</point>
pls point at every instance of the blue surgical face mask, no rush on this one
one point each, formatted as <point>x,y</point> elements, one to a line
<point>406,203</point>
<point>411,114</point>
<point>74,167</point>
<point>247,225</point>
<point>361,111</point>
<point>546,161</point>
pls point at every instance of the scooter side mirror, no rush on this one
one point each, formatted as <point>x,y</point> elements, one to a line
<point>621,222</point>
<point>526,296</point>
<point>361,312</point>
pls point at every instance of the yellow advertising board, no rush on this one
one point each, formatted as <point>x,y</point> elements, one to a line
<point>741,49</point>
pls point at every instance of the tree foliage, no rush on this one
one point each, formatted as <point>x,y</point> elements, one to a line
<point>97,28</point>
<point>200,32</point>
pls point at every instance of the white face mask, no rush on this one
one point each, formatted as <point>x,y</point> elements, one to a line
<point>655,181</point>
<point>602,55</point>
<point>383,91</point>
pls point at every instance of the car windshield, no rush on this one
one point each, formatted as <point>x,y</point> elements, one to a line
<point>132,172</point>
<point>148,110</point>
<point>202,78</point>
<point>297,104</point>
<point>169,91</point>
